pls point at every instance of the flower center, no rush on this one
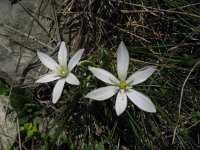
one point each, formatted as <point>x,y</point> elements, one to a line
<point>122,85</point>
<point>62,71</point>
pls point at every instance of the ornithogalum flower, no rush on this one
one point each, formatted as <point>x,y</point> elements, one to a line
<point>121,85</point>
<point>61,71</point>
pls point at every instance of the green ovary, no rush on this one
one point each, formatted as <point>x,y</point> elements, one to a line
<point>122,85</point>
<point>62,71</point>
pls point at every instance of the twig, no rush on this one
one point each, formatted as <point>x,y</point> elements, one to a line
<point>143,39</point>
<point>180,102</point>
<point>35,19</point>
<point>55,21</point>
<point>152,9</point>
<point>15,42</point>
<point>160,10</point>
<point>21,47</point>
<point>19,137</point>
<point>183,42</point>
<point>7,136</point>
<point>170,66</point>
<point>194,124</point>
<point>13,139</point>
<point>189,5</point>
<point>26,40</point>
<point>24,34</point>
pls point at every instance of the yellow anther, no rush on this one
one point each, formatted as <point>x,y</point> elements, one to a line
<point>122,85</point>
<point>62,71</point>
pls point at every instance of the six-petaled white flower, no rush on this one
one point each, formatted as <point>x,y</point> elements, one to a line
<point>61,71</point>
<point>123,86</point>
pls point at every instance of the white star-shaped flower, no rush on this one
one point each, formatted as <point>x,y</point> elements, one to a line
<point>123,86</point>
<point>61,71</point>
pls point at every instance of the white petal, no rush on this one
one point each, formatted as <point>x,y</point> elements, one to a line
<point>75,59</point>
<point>102,93</point>
<point>141,75</point>
<point>58,90</point>
<point>62,55</point>
<point>104,75</point>
<point>48,78</point>
<point>72,79</point>
<point>48,61</point>
<point>122,61</point>
<point>141,101</point>
<point>121,102</point>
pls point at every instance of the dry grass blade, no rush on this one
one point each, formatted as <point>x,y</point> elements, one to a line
<point>180,102</point>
